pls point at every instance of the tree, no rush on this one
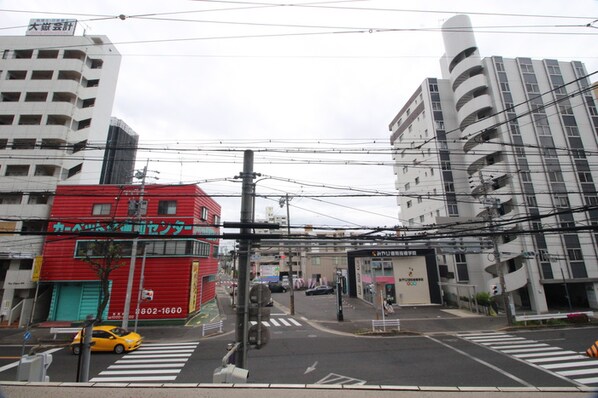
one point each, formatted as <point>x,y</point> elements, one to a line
<point>104,256</point>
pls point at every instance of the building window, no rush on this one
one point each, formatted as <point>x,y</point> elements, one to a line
<point>17,170</point>
<point>36,97</point>
<point>531,201</point>
<point>216,220</point>
<point>167,207</point>
<point>204,213</point>
<point>10,96</point>
<point>409,203</point>
<point>47,54</point>
<point>416,180</point>
<point>574,254</point>
<point>23,143</point>
<point>36,198</point>
<point>11,198</point>
<point>45,170</point>
<point>585,176</point>
<point>555,176</point>
<point>30,120</point>
<point>421,219</point>
<point>419,199</point>
<point>572,131</point>
<point>453,210</point>
<point>527,68</point>
<point>41,75</point>
<point>407,186</point>
<point>75,170</point>
<point>101,209</point>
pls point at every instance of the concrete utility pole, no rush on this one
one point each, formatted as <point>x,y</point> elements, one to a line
<point>242,310</point>
<point>290,254</point>
<point>491,205</point>
<point>137,218</point>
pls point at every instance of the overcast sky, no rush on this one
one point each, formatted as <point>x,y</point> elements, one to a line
<point>225,76</point>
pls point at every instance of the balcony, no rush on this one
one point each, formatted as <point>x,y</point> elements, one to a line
<point>464,69</point>
<point>465,92</point>
<point>468,113</point>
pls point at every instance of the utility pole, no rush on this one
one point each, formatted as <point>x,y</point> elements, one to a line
<point>491,206</point>
<point>242,309</point>
<point>290,254</point>
<point>137,219</point>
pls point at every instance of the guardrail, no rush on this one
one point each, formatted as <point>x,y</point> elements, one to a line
<point>211,326</point>
<point>391,323</point>
<point>56,331</point>
<point>544,317</point>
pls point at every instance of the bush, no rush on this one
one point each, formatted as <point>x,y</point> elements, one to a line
<point>483,299</point>
<point>577,318</point>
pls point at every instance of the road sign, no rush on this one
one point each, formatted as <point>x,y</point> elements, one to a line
<point>27,335</point>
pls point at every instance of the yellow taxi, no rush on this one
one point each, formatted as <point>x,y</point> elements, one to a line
<point>109,338</point>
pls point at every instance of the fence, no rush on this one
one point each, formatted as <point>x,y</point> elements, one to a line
<point>391,323</point>
<point>209,327</point>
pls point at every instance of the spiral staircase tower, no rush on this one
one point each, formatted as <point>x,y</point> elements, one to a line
<point>480,132</point>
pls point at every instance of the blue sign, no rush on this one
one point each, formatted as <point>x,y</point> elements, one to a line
<point>27,336</point>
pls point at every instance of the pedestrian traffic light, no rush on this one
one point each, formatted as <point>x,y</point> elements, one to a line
<point>147,295</point>
<point>494,291</point>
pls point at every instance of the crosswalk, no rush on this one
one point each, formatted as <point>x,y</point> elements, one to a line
<point>280,322</point>
<point>149,363</point>
<point>571,364</point>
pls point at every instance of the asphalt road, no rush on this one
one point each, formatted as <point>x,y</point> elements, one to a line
<point>299,353</point>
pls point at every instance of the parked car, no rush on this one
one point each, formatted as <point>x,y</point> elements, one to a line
<point>318,290</point>
<point>109,338</point>
<point>276,287</point>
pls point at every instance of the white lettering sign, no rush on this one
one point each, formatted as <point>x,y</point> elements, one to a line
<point>51,27</point>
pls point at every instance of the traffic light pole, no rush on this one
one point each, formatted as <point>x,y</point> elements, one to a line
<point>242,310</point>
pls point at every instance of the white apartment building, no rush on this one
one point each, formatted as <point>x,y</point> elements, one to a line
<point>508,142</point>
<point>56,97</point>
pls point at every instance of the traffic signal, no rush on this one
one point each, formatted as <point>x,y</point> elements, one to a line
<point>494,291</point>
<point>147,295</point>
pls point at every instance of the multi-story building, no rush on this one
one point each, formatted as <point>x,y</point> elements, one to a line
<point>177,250</point>
<point>121,150</point>
<point>56,96</point>
<point>501,146</point>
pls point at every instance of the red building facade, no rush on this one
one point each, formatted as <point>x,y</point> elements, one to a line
<point>176,228</point>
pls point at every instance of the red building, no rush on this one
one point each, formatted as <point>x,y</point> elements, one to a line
<point>177,228</point>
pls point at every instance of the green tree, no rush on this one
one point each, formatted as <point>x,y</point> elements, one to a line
<point>104,256</point>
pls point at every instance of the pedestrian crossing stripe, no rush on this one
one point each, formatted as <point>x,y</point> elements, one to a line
<point>149,363</point>
<point>560,362</point>
<point>279,322</point>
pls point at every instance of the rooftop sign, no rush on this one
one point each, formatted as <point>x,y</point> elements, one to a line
<point>51,27</point>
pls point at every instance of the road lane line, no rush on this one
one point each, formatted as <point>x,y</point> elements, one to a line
<point>147,366</point>
<point>489,365</point>
<point>566,365</point>
<point>139,372</point>
<point>293,320</point>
